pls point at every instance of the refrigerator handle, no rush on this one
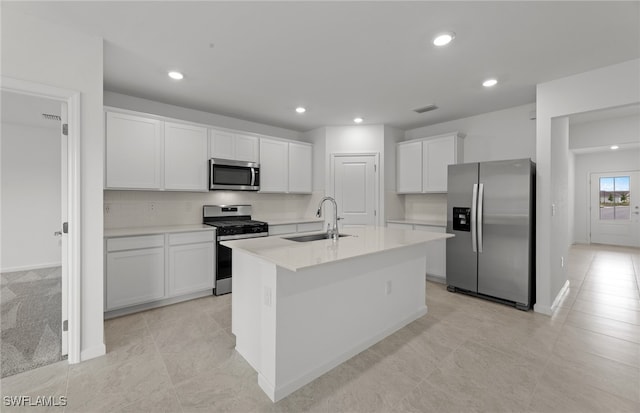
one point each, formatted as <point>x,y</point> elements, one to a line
<point>474,203</point>
<point>480,216</point>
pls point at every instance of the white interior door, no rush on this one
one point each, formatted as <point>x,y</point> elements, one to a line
<point>615,208</point>
<point>355,179</point>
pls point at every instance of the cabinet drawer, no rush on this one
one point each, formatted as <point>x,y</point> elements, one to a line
<point>191,237</point>
<point>310,226</point>
<point>282,229</point>
<point>139,242</point>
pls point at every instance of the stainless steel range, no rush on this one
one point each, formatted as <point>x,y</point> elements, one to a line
<point>231,222</point>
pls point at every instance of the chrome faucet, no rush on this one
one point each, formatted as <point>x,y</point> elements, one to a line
<point>332,233</point>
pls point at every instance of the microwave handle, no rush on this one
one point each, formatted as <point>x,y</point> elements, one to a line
<point>253,176</point>
<point>210,174</point>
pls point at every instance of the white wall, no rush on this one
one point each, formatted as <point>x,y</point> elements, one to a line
<point>30,197</point>
<point>38,51</point>
<point>393,203</point>
<point>608,87</point>
<point>597,162</point>
<point>601,134</point>
<point>163,109</point>
<point>504,134</point>
<point>560,194</point>
<point>356,139</point>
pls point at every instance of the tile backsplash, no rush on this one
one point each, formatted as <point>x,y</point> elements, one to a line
<point>124,209</point>
<point>426,207</point>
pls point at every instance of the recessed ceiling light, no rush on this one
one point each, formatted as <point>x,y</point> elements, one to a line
<point>358,120</point>
<point>300,109</point>
<point>489,82</point>
<point>176,75</point>
<point>614,147</point>
<point>444,39</point>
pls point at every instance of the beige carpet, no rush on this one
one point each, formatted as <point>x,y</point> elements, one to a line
<point>30,319</point>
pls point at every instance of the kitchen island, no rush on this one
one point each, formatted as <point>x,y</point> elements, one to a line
<point>300,309</point>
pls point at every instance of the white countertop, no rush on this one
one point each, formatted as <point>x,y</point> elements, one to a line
<point>294,255</point>
<point>124,232</point>
<point>432,223</point>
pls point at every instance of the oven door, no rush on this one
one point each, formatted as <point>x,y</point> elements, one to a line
<point>233,175</point>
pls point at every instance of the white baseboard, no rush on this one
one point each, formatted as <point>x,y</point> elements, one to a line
<point>560,296</point>
<point>283,391</point>
<point>30,267</point>
<point>93,352</point>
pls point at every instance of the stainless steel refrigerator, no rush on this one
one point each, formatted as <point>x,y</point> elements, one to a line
<point>491,212</point>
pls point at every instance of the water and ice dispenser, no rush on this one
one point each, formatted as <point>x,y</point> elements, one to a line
<point>461,219</point>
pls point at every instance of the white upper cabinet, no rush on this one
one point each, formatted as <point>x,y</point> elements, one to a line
<point>422,164</point>
<point>234,146</point>
<point>134,152</point>
<point>274,165</point>
<point>409,169</point>
<point>185,160</point>
<point>300,160</point>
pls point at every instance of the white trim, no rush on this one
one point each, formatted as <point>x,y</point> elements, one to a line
<point>93,352</point>
<point>31,267</point>
<point>72,98</point>
<point>560,296</point>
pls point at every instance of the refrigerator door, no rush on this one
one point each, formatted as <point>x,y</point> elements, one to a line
<point>504,263</point>
<point>462,264</point>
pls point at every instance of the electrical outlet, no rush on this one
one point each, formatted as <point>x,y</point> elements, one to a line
<point>387,288</point>
<point>107,209</point>
<point>267,296</point>
<point>152,206</point>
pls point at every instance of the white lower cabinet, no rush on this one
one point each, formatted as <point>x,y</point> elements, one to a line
<point>135,271</point>
<point>152,268</point>
<point>436,250</point>
<point>191,262</point>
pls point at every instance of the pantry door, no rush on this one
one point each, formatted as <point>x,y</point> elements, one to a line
<point>355,183</point>
<point>615,208</point>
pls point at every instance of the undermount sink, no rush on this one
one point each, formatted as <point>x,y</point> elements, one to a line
<point>313,237</point>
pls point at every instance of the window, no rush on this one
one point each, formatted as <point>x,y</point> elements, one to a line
<point>614,198</point>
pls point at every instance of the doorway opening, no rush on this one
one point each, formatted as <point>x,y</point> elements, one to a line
<point>615,208</point>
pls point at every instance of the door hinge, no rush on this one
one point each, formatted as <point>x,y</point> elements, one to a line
<point>65,227</point>
<point>375,168</point>
<point>65,325</point>
<point>65,129</point>
<point>375,213</point>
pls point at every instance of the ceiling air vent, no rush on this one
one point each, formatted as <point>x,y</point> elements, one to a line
<point>427,108</point>
<point>48,116</point>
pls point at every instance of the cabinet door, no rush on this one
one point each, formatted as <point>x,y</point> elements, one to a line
<point>274,165</point>
<point>221,144</point>
<point>409,167</point>
<point>134,277</point>
<point>438,154</point>
<point>191,268</point>
<point>436,253</point>
<point>300,167</point>
<point>134,152</point>
<point>185,160</point>
<point>246,148</point>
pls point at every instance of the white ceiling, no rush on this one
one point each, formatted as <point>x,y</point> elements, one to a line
<point>259,60</point>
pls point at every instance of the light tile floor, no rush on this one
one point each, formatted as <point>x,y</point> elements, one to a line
<point>465,355</point>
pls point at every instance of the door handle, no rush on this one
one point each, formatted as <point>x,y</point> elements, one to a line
<point>57,234</point>
<point>474,204</point>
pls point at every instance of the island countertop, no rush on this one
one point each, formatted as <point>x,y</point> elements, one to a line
<point>295,256</point>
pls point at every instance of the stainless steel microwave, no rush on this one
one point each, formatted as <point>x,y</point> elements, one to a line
<point>225,174</point>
